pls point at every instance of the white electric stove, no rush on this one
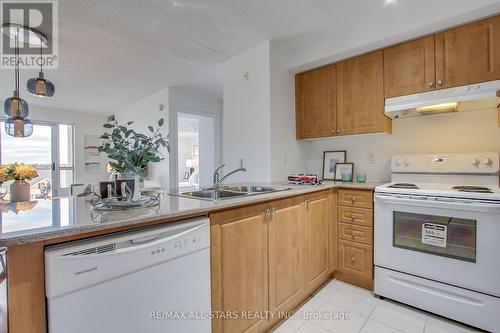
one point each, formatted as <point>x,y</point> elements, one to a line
<point>437,236</point>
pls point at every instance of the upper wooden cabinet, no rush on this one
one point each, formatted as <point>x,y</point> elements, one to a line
<point>348,97</point>
<point>409,68</point>
<point>468,54</point>
<point>315,103</point>
<point>360,95</point>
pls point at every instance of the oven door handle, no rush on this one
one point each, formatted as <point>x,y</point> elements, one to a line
<point>459,205</point>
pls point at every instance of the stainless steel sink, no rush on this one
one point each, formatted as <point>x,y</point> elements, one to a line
<point>251,189</point>
<point>212,194</point>
<point>228,192</point>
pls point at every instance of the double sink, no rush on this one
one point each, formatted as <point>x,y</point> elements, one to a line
<point>230,192</point>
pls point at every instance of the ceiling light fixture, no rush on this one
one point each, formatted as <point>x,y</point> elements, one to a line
<point>16,108</point>
<point>390,2</point>
<point>40,87</point>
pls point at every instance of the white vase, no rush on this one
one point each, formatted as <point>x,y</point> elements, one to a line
<point>19,191</point>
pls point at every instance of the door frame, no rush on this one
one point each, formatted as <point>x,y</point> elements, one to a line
<point>173,117</point>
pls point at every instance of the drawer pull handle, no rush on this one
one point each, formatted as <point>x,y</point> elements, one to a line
<point>353,258</point>
<point>353,235</point>
<point>353,199</point>
<point>353,217</point>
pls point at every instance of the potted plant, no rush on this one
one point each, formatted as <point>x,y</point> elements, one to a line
<point>130,151</point>
<point>19,173</point>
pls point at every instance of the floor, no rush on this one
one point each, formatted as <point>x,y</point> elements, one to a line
<point>368,314</point>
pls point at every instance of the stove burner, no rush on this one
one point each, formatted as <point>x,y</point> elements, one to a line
<point>404,185</point>
<point>472,189</point>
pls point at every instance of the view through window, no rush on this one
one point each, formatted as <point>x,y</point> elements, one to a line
<point>49,150</point>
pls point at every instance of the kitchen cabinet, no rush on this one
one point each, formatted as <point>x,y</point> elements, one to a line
<point>342,99</point>
<point>286,255</point>
<point>356,263</point>
<point>270,257</point>
<point>315,103</point>
<point>318,219</point>
<point>239,259</point>
<point>360,95</point>
<point>332,260</point>
<point>355,237</point>
<point>468,54</point>
<point>409,68</point>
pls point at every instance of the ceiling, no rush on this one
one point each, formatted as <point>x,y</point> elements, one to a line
<point>113,52</point>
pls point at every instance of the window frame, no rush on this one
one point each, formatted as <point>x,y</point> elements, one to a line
<point>55,150</point>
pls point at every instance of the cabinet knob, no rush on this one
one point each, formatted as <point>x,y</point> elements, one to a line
<point>339,130</point>
<point>439,82</point>
<point>353,258</point>
<point>431,84</point>
<point>334,131</point>
<point>353,235</point>
<point>353,217</point>
<point>353,199</point>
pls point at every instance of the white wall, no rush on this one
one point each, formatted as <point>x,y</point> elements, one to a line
<point>143,113</point>
<point>247,114</point>
<point>84,124</point>
<point>287,154</point>
<point>472,131</point>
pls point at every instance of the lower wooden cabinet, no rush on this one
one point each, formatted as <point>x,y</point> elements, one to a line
<point>239,259</point>
<point>355,237</point>
<point>355,263</point>
<point>269,258</point>
<point>286,255</point>
<point>318,215</point>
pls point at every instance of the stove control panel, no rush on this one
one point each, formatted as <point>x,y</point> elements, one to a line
<point>447,163</point>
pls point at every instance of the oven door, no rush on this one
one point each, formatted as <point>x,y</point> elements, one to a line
<point>455,241</point>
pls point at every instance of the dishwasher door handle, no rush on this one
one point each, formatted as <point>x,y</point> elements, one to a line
<point>143,240</point>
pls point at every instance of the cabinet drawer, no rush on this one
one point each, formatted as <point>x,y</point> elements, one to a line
<point>355,233</point>
<point>355,263</point>
<point>353,215</point>
<point>355,198</point>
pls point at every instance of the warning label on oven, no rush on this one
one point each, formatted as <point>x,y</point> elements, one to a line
<point>434,234</point>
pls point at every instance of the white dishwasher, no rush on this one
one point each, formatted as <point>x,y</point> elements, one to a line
<point>154,280</point>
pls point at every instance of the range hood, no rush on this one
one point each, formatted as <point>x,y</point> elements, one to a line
<point>472,97</point>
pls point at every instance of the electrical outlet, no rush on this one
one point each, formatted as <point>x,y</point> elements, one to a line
<point>245,76</point>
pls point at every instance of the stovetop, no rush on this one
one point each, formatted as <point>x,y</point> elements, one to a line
<point>452,190</point>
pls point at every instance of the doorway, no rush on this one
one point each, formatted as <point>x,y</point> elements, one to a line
<point>195,150</point>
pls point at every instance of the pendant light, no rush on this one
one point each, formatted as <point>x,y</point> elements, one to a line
<point>40,87</point>
<point>16,108</point>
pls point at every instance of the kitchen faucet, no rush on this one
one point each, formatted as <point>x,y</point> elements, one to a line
<point>217,180</point>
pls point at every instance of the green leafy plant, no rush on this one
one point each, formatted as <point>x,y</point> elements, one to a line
<point>130,151</point>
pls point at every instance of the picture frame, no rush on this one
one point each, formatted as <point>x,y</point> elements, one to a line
<point>330,159</point>
<point>341,169</point>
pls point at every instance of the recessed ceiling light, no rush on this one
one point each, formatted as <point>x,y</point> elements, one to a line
<point>390,2</point>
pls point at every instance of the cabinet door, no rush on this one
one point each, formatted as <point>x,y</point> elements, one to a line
<point>360,95</point>
<point>315,103</point>
<point>409,68</point>
<point>332,259</point>
<point>239,268</point>
<point>317,239</point>
<point>355,263</point>
<point>468,54</point>
<point>286,255</point>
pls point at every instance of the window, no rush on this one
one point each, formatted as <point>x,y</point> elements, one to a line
<point>50,149</point>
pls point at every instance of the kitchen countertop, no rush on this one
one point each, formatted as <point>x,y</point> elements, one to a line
<point>42,220</point>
